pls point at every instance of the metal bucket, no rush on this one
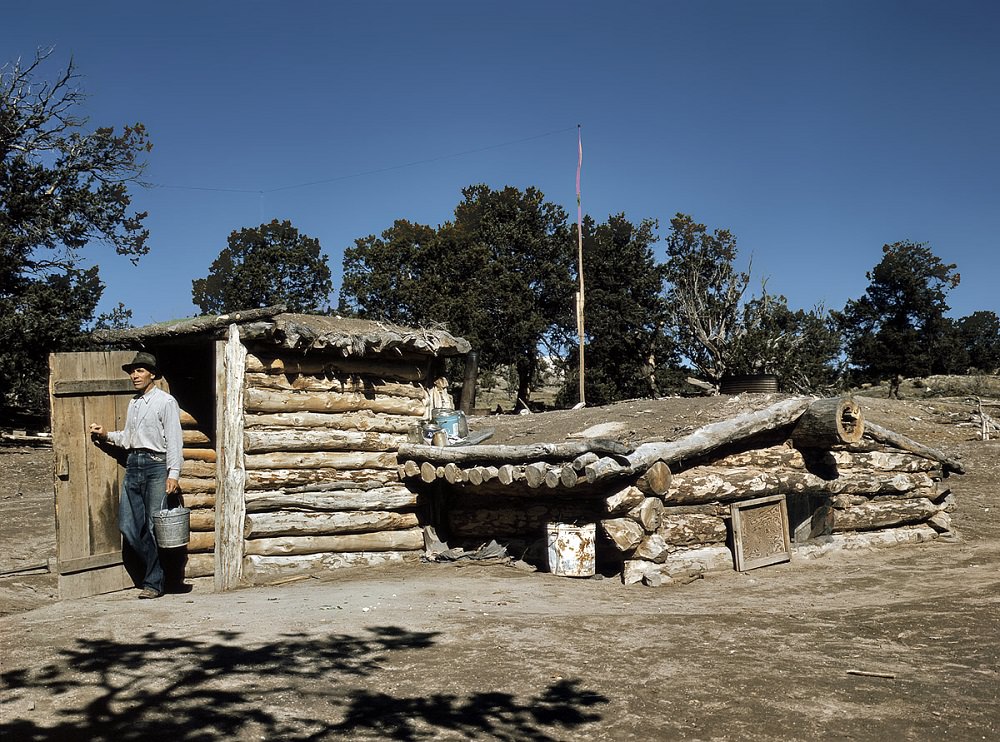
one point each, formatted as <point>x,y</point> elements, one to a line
<point>453,422</point>
<point>172,528</point>
<point>571,551</point>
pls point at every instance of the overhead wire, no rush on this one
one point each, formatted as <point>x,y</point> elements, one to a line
<point>363,173</point>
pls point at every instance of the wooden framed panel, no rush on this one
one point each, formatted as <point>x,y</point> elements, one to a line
<point>760,532</point>
<point>87,387</point>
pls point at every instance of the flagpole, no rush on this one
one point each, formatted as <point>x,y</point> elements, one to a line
<point>579,238</point>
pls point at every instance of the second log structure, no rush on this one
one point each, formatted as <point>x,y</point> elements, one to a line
<point>665,507</point>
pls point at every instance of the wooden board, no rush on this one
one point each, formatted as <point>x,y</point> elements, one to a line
<point>760,532</point>
<point>86,388</point>
<point>230,506</point>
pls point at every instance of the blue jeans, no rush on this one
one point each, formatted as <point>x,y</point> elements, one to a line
<point>143,494</point>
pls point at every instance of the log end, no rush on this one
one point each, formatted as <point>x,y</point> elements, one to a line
<point>829,422</point>
<point>656,480</point>
<point>850,421</point>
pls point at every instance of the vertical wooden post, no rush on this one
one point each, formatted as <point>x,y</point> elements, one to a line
<point>230,504</point>
<point>580,333</point>
<point>469,382</point>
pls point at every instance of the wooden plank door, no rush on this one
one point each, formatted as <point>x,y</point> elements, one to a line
<point>85,388</point>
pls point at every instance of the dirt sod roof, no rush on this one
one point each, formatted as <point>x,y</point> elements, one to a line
<point>632,422</point>
<point>668,428</point>
<point>638,421</point>
<point>274,327</point>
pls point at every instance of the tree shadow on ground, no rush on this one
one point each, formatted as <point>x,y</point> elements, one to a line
<point>298,687</point>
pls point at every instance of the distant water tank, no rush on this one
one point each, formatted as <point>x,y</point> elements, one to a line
<point>752,383</point>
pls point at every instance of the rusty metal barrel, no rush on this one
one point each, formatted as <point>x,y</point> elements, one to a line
<point>752,383</point>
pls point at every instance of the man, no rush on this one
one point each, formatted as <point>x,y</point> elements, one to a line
<point>152,437</point>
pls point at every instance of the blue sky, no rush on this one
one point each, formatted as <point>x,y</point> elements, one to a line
<point>815,131</point>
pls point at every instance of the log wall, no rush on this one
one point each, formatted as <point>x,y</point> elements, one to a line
<point>322,488</point>
<point>198,487</point>
<point>662,524</point>
<point>851,496</point>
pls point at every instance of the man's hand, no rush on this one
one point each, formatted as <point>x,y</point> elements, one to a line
<point>98,432</point>
<point>173,486</point>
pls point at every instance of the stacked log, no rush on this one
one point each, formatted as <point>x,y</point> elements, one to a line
<point>197,484</point>
<point>666,507</point>
<point>858,493</point>
<point>654,537</point>
<point>320,442</point>
<point>537,466</point>
<point>483,517</point>
<point>263,569</point>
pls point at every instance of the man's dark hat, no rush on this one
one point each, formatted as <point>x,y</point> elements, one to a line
<point>143,359</point>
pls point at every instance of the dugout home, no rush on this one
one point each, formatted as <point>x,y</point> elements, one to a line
<point>298,460</point>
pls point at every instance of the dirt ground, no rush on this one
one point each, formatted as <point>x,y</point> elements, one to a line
<point>896,644</point>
